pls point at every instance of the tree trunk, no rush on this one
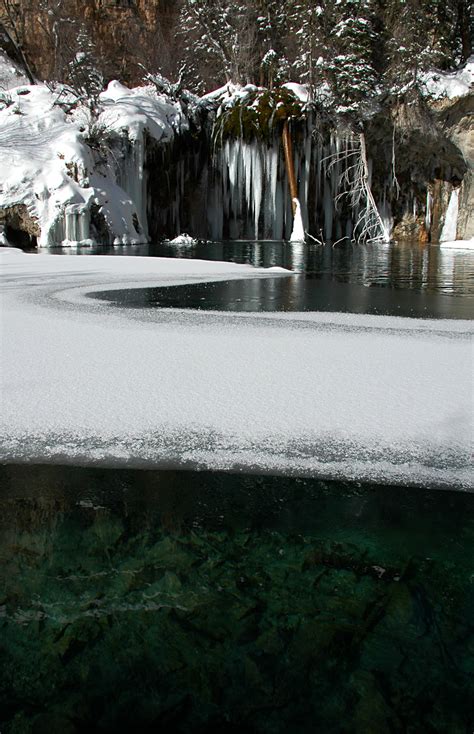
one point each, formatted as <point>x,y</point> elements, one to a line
<point>289,163</point>
<point>464,25</point>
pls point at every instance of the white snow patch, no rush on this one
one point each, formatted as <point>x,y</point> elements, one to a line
<point>438,84</point>
<point>226,91</point>
<point>11,73</point>
<point>47,165</point>
<point>183,240</point>
<point>22,264</point>
<point>139,109</point>
<point>297,234</point>
<point>299,90</point>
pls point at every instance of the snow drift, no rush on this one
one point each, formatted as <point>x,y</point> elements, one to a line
<point>333,395</point>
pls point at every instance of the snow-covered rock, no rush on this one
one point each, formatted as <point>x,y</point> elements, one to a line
<point>299,90</point>
<point>139,109</point>
<point>183,240</point>
<point>80,173</point>
<point>438,84</point>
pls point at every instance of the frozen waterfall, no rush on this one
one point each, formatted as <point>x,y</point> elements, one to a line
<point>448,232</point>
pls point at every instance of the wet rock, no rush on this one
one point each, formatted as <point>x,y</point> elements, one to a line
<point>21,228</point>
<point>409,228</point>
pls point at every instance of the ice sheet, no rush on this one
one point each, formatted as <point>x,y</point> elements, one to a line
<point>336,395</point>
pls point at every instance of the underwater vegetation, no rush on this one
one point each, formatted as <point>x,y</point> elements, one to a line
<point>133,600</point>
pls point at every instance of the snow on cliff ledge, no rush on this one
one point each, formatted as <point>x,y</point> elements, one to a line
<point>73,173</point>
<point>451,84</point>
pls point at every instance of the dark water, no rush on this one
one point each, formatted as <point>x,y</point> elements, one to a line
<point>195,602</point>
<point>298,293</point>
<point>400,279</point>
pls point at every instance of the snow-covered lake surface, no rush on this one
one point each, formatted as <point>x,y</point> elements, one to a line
<point>336,395</point>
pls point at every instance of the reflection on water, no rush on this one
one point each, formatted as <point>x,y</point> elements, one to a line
<point>194,602</point>
<point>297,293</point>
<point>399,279</point>
<point>422,268</point>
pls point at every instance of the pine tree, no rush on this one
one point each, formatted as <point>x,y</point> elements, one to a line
<point>419,34</point>
<point>271,20</point>
<point>351,69</point>
<point>84,74</point>
<point>464,29</point>
<point>219,42</point>
<point>309,25</point>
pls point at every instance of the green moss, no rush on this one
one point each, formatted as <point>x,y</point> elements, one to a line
<point>260,115</point>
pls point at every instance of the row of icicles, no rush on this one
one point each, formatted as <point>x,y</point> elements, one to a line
<point>264,195</point>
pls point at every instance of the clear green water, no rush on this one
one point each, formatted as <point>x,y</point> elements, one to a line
<point>195,602</point>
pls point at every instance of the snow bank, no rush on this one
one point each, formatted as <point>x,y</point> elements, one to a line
<point>69,167</point>
<point>334,395</point>
<point>135,110</point>
<point>299,90</point>
<point>38,152</point>
<point>15,263</point>
<point>438,84</point>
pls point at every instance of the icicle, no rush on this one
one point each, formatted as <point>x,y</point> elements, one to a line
<point>278,231</point>
<point>76,224</point>
<point>448,233</point>
<point>231,162</point>
<point>328,211</point>
<point>247,166</point>
<point>386,218</point>
<point>274,178</point>
<point>131,177</point>
<point>84,220</point>
<point>257,186</point>
<point>429,202</point>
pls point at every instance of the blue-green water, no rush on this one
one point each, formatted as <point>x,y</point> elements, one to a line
<point>197,602</point>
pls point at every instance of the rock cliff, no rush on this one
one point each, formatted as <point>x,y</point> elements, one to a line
<point>126,33</point>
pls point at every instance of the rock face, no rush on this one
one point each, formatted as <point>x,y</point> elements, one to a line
<point>429,146</point>
<point>465,229</point>
<point>19,225</point>
<point>126,33</point>
<point>456,117</point>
